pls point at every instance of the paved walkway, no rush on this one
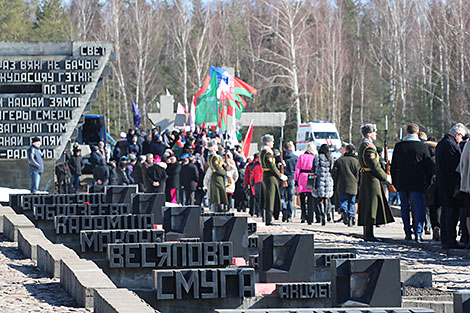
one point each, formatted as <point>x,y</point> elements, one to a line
<point>24,288</point>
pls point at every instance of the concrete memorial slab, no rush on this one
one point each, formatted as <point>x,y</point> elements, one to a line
<point>149,203</point>
<point>12,223</point>
<point>323,257</point>
<point>45,87</point>
<point>28,239</point>
<point>227,228</point>
<point>286,258</point>
<point>119,300</point>
<point>26,202</point>
<point>4,210</point>
<point>47,212</point>
<point>372,282</point>
<point>49,256</point>
<point>182,222</point>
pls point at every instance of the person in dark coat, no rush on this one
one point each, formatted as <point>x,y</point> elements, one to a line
<point>147,145</point>
<point>156,177</point>
<point>287,193</point>
<point>373,206</point>
<point>101,174</point>
<point>95,157</point>
<point>35,164</point>
<point>346,172</point>
<point>137,173</point>
<point>113,179</point>
<point>122,174</point>
<point>447,182</point>
<point>411,172</point>
<point>324,188</point>
<point>189,178</point>
<point>173,181</point>
<point>134,146</point>
<point>271,195</point>
<point>61,172</point>
<point>217,192</point>
<point>76,166</point>
<point>158,147</point>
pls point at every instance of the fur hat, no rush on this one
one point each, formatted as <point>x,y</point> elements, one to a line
<point>35,139</point>
<point>368,128</point>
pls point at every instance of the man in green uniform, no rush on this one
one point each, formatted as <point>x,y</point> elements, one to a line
<point>217,193</point>
<point>373,205</point>
<point>270,193</point>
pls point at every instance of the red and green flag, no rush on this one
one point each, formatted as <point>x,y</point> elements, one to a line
<point>207,104</point>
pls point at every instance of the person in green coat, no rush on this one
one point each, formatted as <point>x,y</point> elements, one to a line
<point>373,205</point>
<point>217,194</point>
<point>270,193</point>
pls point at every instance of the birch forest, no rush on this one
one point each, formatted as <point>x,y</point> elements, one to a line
<point>346,61</point>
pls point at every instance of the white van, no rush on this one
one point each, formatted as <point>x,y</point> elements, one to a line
<point>319,132</point>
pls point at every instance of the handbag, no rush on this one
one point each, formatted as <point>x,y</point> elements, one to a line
<point>312,178</point>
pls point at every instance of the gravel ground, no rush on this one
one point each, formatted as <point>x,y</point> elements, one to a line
<point>24,288</point>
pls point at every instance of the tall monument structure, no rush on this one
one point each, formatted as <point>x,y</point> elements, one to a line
<point>45,87</point>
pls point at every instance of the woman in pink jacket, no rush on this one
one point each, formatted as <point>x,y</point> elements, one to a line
<point>303,168</point>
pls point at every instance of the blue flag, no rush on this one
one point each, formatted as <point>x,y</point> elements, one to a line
<point>137,115</point>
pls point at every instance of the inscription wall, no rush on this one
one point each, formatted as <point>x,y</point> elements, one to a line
<point>44,90</point>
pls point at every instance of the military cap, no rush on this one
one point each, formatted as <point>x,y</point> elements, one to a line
<point>368,128</point>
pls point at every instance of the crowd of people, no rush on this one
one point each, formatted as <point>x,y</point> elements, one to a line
<point>430,179</point>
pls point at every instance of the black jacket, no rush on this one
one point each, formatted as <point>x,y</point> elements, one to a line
<point>134,146</point>
<point>102,173</point>
<point>76,165</point>
<point>291,161</point>
<point>122,177</point>
<point>113,179</point>
<point>173,172</point>
<point>189,176</point>
<point>412,167</point>
<point>346,172</point>
<point>156,173</point>
<point>96,159</point>
<point>447,179</point>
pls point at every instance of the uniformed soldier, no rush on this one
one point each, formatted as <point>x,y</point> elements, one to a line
<point>270,194</point>
<point>373,205</point>
<point>217,194</point>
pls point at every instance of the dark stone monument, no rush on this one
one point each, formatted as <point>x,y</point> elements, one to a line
<point>372,282</point>
<point>286,258</point>
<point>304,290</point>
<point>182,222</point>
<point>95,188</point>
<point>462,301</point>
<point>228,228</point>
<point>120,194</point>
<point>149,203</point>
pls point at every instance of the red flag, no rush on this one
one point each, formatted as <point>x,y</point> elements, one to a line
<point>207,80</point>
<point>247,140</point>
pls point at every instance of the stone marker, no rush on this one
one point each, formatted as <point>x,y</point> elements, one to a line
<point>149,203</point>
<point>4,210</point>
<point>372,282</point>
<point>49,257</point>
<point>182,222</point>
<point>462,301</point>
<point>120,194</point>
<point>73,224</point>
<point>304,290</point>
<point>227,228</point>
<point>47,212</point>
<point>286,258</point>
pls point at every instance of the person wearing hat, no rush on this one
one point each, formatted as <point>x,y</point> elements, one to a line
<point>345,172</point>
<point>76,166</point>
<point>373,206</point>
<point>35,164</point>
<point>271,195</point>
<point>189,177</point>
<point>217,192</point>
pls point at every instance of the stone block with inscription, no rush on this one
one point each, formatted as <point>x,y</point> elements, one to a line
<point>45,87</point>
<point>228,228</point>
<point>120,194</point>
<point>149,203</point>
